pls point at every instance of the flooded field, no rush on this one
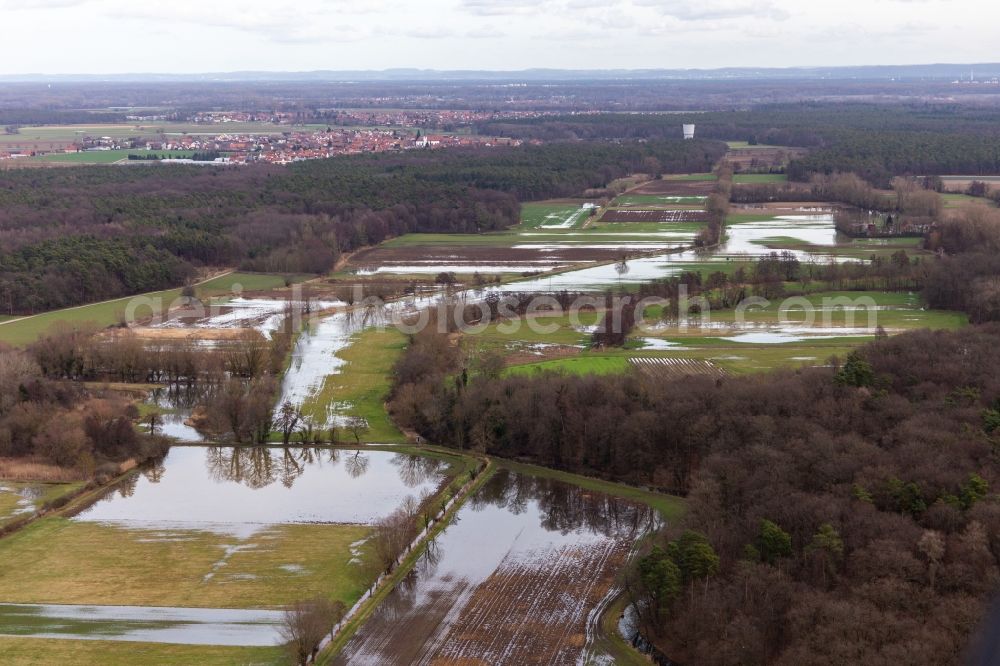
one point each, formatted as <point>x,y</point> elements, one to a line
<point>206,548</point>
<point>215,540</point>
<point>507,256</point>
<point>434,266</point>
<point>241,489</point>
<point>551,236</point>
<point>639,215</point>
<point>744,241</point>
<point>262,314</point>
<point>314,358</point>
<point>21,499</point>
<point>18,499</point>
<point>515,580</point>
<point>190,626</point>
<point>174,405</point>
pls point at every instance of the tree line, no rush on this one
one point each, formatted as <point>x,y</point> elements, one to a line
<point>876,141</point>
<point>967,275</point>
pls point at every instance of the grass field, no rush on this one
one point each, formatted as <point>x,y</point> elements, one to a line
<point>362,385</point>
<point>760,178</point>
<point>864,250</point>
<point>963,200</point>
<point>11,499</point>
<point>88,563</point>
<point>107,156</point>
<point>892,310</point>
<point>691,176</point>
<point>233,282</point>
<point>735,357</point>
<point>609,639</point>
<point>533,216</point>
<point>101,564</point>
<point>497,239</point>
<point>24,330</point>
<point>893,243</point>
<point>579,365</point>
<point>537,214</point>
<point>530,351</point>
<point>633,228</point>
<point>45,651</point>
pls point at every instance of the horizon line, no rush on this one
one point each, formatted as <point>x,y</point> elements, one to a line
<point>668,72</point>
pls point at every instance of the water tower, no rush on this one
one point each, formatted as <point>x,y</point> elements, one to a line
<point>688,131</point>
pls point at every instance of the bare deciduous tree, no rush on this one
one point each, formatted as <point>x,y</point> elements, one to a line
<point>247,355</point>
<point>306,623</point>
<point>394,533</point>
<point>357,427</point>
<point>288,419</point>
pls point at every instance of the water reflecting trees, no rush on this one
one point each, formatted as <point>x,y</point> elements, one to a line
<point>260,466</point>
<point>416,470</point>
<point>252,466</point>
<point>565,508</point>
<point>356,464</point>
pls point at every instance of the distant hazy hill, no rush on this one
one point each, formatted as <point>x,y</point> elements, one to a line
<point>873,72</point>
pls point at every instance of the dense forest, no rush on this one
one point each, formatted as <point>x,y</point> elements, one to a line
<point>849,510</point>
<point>877,157</point>
<point>967,276</point>
<point>799,124</point>
<point>16,117</point>
<point>83,234</point>
<point>876,141</point>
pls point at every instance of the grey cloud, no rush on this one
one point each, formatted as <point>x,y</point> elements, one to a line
<point>704,10</point>
<point>503,7</point>
<point>590,4</point>
<point>14,5</point>
<point>321,23</point>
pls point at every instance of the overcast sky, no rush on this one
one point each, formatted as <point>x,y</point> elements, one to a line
<point>187,36</point>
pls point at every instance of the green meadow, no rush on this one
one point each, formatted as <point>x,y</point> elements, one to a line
<point>362,385</point>
<point>74,562</point>
<point>25,330</point>
<point>108,156</point>
<point>19,651</point>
